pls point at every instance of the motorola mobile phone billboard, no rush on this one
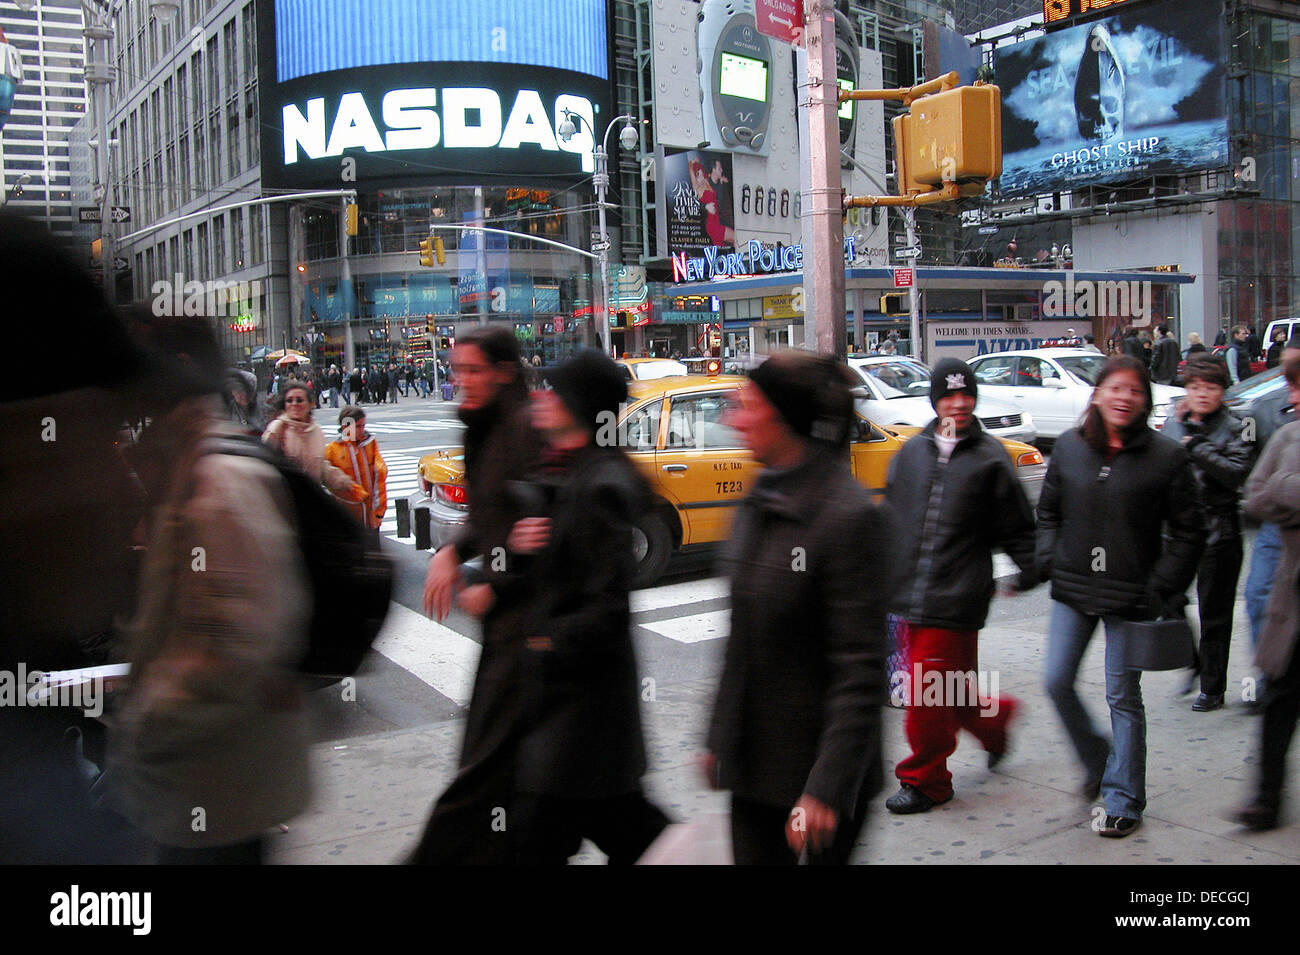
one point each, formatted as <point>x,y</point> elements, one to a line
<point>1135,94</point>
<point>414,90</point>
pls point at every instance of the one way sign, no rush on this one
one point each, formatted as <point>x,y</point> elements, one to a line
<point>92,214</point>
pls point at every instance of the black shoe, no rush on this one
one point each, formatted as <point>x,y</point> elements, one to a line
<point>1117,827</point>
<point>909,799</point>
<point>1205,703</point>
<point>1257,817</point>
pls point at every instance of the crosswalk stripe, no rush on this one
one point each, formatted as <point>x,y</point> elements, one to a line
<point>693,628</point>
<point>438,655</point>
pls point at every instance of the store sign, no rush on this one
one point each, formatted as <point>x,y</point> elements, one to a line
<point>1135,94</point>
<point>361,91</point>
<point>754,258</point>
<point>964,340</point>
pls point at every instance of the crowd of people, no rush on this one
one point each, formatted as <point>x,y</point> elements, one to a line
<point>365,384</point>
<point>200,585</point>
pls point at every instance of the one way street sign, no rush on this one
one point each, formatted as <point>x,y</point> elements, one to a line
<point>91,214</point>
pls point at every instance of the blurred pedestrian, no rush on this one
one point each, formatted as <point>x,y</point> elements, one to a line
<point>356,455</point>
<point>241,399</point>
<point>1274,357</point>
<point>500,446</point>
<point>335,383</point>
<point>795,730</point>
<point>1119,536</point>
<point>68,565</point>
<point>1238,355</point>
<point>1164,356</point>
<point>1194,346</point>
<point>295,434</point>
<point>580,753</point>
<point>208,747</point>
<point>1270,497</point>
<point>1267,550</point>
<point>1221,461</point>
<point>955,486</point>
<point>392,376</point>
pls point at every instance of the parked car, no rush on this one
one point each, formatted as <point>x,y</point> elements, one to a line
<point>896,391</point>
<point>696,465</point>
<point>1055,385</point>
<point>1264,399</point>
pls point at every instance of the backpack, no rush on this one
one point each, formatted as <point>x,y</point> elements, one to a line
<point>351,584</point>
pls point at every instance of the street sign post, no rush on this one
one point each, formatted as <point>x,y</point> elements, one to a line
<point>781,20</point>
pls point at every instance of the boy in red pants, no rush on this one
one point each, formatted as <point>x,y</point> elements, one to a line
<point>954,488</point>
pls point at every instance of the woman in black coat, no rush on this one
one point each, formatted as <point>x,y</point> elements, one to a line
<point>1119,536</point>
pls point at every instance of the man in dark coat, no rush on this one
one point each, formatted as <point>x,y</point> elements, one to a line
<point>581,754</point>
<point>500,445</point>
<point>955,486</point>
<point>1164,357</point>
<point>795,732</point>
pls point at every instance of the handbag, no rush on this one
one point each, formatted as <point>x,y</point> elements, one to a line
<point>1165,643</point>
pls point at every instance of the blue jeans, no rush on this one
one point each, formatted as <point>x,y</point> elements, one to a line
<point>1259,581</point>
<point>1122,764</point>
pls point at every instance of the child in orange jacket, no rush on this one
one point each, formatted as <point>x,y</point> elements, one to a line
<point>357,455</point>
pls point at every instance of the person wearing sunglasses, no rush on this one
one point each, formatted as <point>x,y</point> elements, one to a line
<point>295,434</point>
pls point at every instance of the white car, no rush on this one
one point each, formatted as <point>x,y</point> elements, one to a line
<point>897,391</point>
<point>1055,385</point>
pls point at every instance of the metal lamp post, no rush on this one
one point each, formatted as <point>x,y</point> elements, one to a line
<point>629,138</point>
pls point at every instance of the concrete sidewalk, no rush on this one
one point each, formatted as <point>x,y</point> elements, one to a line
<point>374,792</point>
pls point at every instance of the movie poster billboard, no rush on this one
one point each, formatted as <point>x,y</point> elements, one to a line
<point>700,201</point>
<point>1135,94</point>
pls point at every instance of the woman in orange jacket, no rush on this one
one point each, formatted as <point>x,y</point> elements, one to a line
<point>357,455</point>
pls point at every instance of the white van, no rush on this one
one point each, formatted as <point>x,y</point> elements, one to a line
<point>1289,325</point>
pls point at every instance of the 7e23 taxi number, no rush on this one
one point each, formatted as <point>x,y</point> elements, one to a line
<point>729,487</point>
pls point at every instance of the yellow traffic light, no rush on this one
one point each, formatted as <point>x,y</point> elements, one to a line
<point>350,219</point>
<point>894,304</point>
<point>426,252</point>
<point>440,251</point>
<point>954,136</point>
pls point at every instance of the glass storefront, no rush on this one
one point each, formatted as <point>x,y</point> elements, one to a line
<point>391,302</point>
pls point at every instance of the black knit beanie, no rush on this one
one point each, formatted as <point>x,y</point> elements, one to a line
<point>950,375</point>
<point>588,383</point>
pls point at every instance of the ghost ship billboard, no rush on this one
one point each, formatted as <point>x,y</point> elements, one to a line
<point>1137,94</point>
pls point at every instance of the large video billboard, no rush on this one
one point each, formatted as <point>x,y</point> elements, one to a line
<point>393,91</point>
<point>1135,94</point>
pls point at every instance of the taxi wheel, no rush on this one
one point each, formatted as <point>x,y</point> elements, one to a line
<point>652,545</point>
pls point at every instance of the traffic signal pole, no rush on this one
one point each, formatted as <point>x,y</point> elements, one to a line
<point>825,307</point>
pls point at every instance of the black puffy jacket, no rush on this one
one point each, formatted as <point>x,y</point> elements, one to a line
<point>1221,462</point>
<point>1120,536</point>
<point>954,515</point>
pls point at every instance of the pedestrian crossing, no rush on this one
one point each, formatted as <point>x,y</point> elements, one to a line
<point>684,613</point>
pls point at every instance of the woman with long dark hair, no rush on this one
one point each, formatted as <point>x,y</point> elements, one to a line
<point>1119,537</point>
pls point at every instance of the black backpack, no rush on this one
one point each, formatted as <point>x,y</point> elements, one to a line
<point>351,584</point>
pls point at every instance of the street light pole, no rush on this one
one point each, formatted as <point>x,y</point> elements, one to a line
<point>100,74</point>
<point>629,138</point>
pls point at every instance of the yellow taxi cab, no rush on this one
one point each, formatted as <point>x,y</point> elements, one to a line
<point>696,465</point>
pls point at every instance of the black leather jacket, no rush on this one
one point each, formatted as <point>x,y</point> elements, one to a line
<point>1221,462</point>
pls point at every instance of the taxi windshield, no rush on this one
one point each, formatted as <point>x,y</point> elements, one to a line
<point>664,368</point>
